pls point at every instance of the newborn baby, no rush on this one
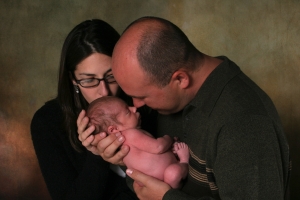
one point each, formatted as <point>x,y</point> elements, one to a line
<point>154,157</point>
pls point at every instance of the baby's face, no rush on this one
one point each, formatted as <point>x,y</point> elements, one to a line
<point>128,117</point>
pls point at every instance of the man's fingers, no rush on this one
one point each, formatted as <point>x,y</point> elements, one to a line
<point>147,187</point>
<point>137,176</point>
<point>144,179</point>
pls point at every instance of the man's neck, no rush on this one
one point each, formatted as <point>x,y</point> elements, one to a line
<point>208,65</point>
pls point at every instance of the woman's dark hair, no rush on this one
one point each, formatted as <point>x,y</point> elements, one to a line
<point>88,37</point>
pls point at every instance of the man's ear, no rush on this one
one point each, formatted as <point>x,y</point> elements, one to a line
<point>112,129</point>
<point>181,78</point>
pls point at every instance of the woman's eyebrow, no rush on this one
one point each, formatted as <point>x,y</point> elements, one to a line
<point>109,70</point>
<point>87,74</point>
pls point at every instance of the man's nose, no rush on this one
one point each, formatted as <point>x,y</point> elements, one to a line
<point>138,102</point>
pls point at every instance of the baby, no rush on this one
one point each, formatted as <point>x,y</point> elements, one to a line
<point>147,154</point>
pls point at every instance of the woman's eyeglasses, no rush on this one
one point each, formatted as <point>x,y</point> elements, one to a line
<point>93,82</point>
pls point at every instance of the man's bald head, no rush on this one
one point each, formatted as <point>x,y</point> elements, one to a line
<point>160,48</point>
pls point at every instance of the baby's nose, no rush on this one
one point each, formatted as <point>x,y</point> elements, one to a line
<point>133,109</point>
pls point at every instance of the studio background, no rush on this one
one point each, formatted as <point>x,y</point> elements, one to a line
<point>262,37</point>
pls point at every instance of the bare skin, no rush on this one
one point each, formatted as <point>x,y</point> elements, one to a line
<point>151,161</point>
<point>152,156</point>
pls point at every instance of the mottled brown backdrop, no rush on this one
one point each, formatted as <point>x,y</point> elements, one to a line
<point>260,36</point>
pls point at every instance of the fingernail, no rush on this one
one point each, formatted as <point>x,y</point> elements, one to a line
<point>129,171</point>
<point>102,134</point>
<point>125,148</point>
<point>118,134</point>
<point>121,139</point>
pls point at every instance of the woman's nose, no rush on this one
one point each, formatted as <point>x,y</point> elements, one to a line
<point>103,89</point>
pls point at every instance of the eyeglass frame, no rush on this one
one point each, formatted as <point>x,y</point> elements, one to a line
<point>99,80</point>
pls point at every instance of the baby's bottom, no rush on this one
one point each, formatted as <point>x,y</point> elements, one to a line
<point>176,172</point>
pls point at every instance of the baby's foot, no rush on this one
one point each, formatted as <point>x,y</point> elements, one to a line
<point>174,147</point>
<point>182,150</point>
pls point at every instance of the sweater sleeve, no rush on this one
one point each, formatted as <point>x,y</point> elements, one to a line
<point>67,173</point>
<point>249,162</point>
<point>179,195</point>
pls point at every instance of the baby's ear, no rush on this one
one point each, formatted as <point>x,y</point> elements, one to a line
<point>112,129</point>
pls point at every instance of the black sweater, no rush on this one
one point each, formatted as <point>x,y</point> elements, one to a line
<point>67,173</point>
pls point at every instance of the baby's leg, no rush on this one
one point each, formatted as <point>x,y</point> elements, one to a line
<point>176,172</point>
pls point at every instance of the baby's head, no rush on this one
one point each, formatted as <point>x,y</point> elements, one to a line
<point>111,114</point>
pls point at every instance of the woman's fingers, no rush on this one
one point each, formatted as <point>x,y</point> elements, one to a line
<point>110,148</point>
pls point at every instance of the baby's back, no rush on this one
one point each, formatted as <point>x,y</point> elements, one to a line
<point>142,155</point>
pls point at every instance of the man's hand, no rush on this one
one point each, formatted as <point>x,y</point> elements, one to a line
<point>108,147</point>
<point>147,187</point>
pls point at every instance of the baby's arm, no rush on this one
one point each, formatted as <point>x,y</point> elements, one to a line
<point>146,142</point>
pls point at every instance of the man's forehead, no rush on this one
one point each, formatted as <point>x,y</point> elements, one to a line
<point>124,57</point>
<point>130,37</point>
<point>134,85</point>
<point>134,88</point>
<point>127,66</point>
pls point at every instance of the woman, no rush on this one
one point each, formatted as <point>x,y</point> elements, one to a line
<point>70,171</point>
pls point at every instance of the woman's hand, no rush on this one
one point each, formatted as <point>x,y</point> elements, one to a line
<point>109,147</point>
<point>85,135</point>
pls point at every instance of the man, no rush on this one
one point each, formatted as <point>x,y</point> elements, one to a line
<point>237,144</point>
